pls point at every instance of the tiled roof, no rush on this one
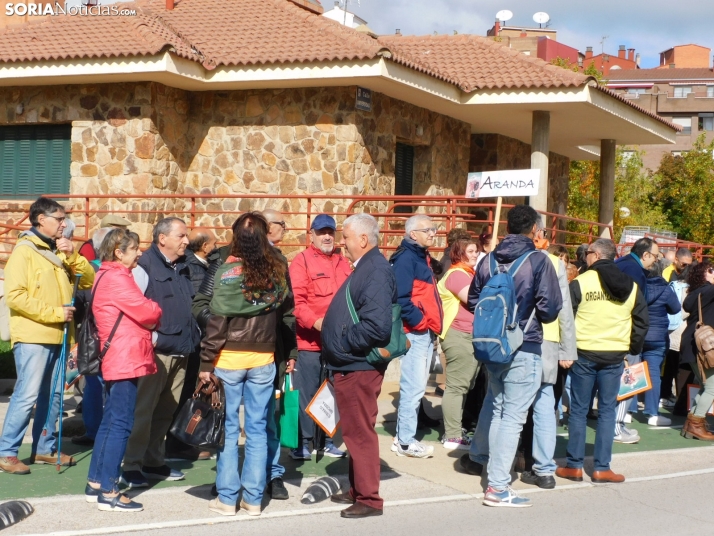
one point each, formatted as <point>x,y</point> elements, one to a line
<point>659,75</point>
<point>472,62</point>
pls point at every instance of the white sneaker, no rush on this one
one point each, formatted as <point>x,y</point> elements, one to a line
<point>415,450</point>
<point>394,446</point>
<point>659,420</point>
<point>457,443</point>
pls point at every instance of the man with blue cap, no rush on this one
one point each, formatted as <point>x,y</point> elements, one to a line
<point>316,274</point>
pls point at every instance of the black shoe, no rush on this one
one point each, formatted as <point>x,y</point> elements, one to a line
<point>470,466</point>
<point>592,415</point>
<point>424,421</point>
<point>78,409</point>
<point>214,491</point>
<point>277,490</point>
<point>438,391</point>
<point>543,482</point>
<point>83,440</point>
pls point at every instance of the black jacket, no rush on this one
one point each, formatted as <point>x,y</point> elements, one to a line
<point>631,266</point>
<point>688,348</point>
<point>536,287</point>
<point>197,268</point>
<point>373,289</point>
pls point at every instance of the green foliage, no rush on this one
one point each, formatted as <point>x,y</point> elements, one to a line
<point>634,190</point>
<point>685,184</point>
<point>7,362</point>
<point>565,63</point>
<point>591,70</point>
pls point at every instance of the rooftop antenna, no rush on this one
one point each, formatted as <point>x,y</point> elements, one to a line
<point>504,15</point>
<point>344,8</point>
<point>602,43</point>
<point>541,18</point>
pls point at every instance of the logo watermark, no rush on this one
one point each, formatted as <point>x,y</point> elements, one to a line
<point>55,9</point>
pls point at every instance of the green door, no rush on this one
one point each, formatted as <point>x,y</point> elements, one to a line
<point>34,160</point>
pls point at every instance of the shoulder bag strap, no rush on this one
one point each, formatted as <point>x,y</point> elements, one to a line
<point>107,344</point>
<point>700,322</point>
<point>350,305</point>
<point>51,257</point>
<point>519,262</point>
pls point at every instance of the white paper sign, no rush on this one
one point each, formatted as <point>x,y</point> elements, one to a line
<point>511,183</point>
<point>323,409</point>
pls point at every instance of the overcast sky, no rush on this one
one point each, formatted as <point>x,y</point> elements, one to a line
<point>649,26</point>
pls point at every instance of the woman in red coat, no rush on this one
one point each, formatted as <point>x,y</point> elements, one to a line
<point>118,301</point>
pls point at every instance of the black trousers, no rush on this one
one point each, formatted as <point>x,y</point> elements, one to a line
<point>306,379</point>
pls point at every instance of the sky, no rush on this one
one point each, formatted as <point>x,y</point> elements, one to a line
<point>648,26</point>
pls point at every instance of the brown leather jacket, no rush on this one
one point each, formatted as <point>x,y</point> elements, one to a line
<point>254,334</point>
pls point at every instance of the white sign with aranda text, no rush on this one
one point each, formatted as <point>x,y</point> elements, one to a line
<point>509,183</point>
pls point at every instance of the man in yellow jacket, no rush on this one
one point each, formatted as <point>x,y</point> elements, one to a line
<point>38,286</point>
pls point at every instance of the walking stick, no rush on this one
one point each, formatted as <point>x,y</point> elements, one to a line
<point>61,376</point>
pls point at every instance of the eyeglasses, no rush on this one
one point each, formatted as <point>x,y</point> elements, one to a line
<point>591,252</point>
<point>430,230</point>
<point>59,220</point>
<point>281,223</point>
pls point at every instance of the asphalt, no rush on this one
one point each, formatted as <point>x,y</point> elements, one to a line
<point>419,494</point>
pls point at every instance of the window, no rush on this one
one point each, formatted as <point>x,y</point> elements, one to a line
<point>636,91</point>
<point>626,155</point>
<point>685,123</point>
<point>404,173</point>
<point>706,121</point>
<point>34,160</point>
<point>679,153</point>
<point>681,92</point>
<point>710,91</point>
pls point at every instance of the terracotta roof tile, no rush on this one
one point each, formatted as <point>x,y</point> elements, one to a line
<point>472,62</point>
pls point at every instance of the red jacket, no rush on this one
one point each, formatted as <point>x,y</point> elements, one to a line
<point>131,354</point>
<point>315,278</point>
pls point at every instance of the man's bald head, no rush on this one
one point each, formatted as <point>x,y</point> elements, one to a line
<point>276,225</point>
<point>201,241</point>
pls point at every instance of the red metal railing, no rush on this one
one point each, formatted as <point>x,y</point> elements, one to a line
<point>208,211</point>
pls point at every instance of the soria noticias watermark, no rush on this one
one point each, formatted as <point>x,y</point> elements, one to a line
<point>50,9</point>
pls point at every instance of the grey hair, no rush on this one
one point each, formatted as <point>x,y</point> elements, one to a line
<point>683,253</point>
<point>412,224</point>
<point>98,238</point>
<point>363,223</point>
<point>605,247</point>
<point>68,231</point>
<point>164,227</point>
<point>539,222</point>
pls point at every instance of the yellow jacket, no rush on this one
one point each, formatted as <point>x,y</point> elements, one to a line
<point>450,303</point>
<point>36,289</point>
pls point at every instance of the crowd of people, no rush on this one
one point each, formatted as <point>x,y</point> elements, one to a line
<point>184,313</point>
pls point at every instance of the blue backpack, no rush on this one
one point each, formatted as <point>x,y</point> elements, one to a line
<point>497,335</point>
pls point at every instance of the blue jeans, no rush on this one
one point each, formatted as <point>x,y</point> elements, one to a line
<point>544,430</point>
<point>36,365</point>
<point>412,384</point>
<point>92,404</point>
<point>586,374</point>
<point>255,387</point>
<point>274,469</point>
<point>113,434</point>
<point>654,358</point>
<point>512,388</point>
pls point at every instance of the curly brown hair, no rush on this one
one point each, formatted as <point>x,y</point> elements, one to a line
<point>458,249</point>
<point>262,266</point>
<point>697,275</point>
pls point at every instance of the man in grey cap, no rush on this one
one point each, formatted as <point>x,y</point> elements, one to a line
<point>87,249</point>
<point>316,274</point>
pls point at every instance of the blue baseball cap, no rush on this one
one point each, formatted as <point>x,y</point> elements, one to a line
<point>323,221</point>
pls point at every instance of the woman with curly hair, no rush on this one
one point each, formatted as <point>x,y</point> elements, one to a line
<point>700,281</point>
<point>250,291</point>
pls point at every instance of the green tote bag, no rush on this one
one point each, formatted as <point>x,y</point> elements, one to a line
<point>289,415</point>
<point>398,342</point>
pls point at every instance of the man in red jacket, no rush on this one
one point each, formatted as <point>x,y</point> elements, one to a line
<point>316,274</point>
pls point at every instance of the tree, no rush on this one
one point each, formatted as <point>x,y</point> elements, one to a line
<point>685,184</point>
<point>634,190</point>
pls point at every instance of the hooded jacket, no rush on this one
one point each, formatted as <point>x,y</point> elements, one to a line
<point>630,265</point>
<point>611,317</point>
<point>536,287</point>
<point>131,354</point>
<point>36,290</point>
<point>416,288</point>
<point>661,301</point>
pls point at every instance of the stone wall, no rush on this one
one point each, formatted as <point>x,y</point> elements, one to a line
<point>147,139</point>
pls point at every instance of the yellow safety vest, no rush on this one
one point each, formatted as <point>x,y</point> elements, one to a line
<point>551,330</point>
<point>450,303</point>
<point>602,324</point>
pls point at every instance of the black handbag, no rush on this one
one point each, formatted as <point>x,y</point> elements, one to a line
<point>90,352</point>
<point>201,421</point>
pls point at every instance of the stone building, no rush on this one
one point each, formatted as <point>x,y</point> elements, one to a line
<point>260,98</point>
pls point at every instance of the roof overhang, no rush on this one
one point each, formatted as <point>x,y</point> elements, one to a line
<point>580,116</point>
